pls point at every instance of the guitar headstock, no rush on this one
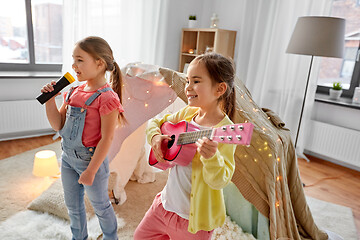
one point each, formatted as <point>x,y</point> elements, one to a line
<point>240,133</point>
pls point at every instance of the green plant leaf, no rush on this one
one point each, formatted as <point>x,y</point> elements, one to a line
<point>337,86</point>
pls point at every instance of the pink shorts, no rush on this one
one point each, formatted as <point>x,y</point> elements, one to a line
<point>159,224</point>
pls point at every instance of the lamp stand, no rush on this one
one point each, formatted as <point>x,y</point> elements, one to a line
<point>302,108</point>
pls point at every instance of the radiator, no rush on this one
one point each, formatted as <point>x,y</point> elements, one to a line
<point>335,143</point>
<point>24,118</point>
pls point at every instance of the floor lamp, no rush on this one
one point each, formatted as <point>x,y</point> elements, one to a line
<point>316,36</point>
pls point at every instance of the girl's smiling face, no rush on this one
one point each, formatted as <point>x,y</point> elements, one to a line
<point>200,89</point>
<point>85,66</point>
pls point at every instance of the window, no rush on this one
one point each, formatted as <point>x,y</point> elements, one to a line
<point>347,69</point>
<point>31,35</point>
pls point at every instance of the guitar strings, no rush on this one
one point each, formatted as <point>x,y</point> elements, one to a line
<point>191,137</point>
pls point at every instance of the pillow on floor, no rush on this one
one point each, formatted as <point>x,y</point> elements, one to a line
<point>52,201</point>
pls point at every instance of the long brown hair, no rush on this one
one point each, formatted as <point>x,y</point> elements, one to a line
<point>221,69</point>
<point>98,48</point>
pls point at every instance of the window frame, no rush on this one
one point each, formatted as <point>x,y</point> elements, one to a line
<point>355,80</point>
<point>32,65</point>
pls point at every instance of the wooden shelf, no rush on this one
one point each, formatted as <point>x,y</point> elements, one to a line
<point>200,40</point>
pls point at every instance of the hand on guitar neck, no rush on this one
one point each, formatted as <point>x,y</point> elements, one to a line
<point>176,145</point>
<point>206,147</point>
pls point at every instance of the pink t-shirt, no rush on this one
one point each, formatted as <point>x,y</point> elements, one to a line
<point>104,104</point>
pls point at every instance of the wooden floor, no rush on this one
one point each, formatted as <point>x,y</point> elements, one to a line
<point>323,180</point>
<point>332,183</point>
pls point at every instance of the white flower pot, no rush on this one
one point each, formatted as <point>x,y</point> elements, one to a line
<point>192,23</point>
<point>335,94</point>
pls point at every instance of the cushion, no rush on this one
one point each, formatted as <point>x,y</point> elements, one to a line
<point>52,201</point>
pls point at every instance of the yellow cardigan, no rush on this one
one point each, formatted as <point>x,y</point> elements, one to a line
<point>208,178</point>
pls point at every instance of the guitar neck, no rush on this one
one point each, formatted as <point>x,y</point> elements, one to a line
<point>192,137</point>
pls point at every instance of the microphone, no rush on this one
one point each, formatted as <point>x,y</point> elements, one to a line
<point>60,84</point>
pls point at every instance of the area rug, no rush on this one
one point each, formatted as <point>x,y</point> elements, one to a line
<point>29,225</point>
<point>18,187</point>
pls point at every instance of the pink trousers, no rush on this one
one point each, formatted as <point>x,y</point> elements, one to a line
<point>159,224</point>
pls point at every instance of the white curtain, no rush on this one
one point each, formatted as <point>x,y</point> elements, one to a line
<point>276,79</point>
<point>135,29</point>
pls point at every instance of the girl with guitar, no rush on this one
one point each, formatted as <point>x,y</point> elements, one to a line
<point>191,205</point>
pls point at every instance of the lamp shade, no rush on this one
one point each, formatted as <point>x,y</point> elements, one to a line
<point>45,164</point>
<point>318,36</point>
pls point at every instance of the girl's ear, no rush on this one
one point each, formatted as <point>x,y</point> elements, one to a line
<point>100,63</point>
<point>221,89</point>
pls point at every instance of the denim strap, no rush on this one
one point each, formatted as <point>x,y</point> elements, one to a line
<point>69,93</point>
<point>95,95</point>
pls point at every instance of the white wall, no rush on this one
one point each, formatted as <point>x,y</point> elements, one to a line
<point>176,20</point>
<point>228,11</point>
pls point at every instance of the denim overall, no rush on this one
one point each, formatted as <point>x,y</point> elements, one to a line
<point>75,159</point>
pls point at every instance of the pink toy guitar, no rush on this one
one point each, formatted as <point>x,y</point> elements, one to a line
<point>181,149</point>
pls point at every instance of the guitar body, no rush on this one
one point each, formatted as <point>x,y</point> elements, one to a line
<point>174,154</point>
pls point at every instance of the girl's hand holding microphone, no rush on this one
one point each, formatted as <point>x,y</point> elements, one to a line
<point>49,88</point>
<point>53,89</point>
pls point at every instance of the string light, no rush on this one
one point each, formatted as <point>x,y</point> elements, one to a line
<point>277,204</point>
<point>146,105</point>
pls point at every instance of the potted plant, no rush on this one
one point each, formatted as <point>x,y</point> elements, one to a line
<point>336,90</point>
<point>192,21</point>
